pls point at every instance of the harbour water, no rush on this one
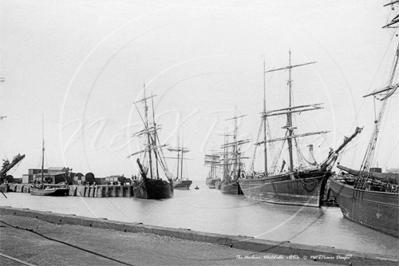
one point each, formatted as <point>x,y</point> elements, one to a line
<point>209,210</point>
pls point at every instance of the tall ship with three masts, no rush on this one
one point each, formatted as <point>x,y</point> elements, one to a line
<point>298,185</point>
<point>179,182</point>
<point>232,165</point>
<point>213,161</point>
<point>151,184</point>
<point>367,195</point>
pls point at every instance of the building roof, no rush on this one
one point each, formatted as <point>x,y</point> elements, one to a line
<point>57,169</point>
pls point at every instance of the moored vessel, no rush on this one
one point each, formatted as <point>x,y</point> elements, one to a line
<point>43,187</point>
<point>179,182</point>
<point>367,201</point>
<point>49,190</point>
<point>368,196</point>
<point>301,185</point>
<point>232,165</point>
<point>150,184</point>
<point>213,161</point>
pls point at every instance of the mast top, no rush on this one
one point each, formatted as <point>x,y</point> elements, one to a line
<point>388,88</point>
<point>235,117</point>
<point>289,67</point>
<point>144,99</point>
<point>395,20</point>
<point>179,149</point>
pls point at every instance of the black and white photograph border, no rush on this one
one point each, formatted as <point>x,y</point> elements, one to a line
<point>101,100</point>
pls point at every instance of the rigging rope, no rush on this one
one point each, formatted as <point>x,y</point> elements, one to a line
<point>300,154</point>
<point>274,165</point>
<point>251,169</point>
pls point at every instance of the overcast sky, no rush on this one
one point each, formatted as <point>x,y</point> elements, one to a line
<point>82,64</point>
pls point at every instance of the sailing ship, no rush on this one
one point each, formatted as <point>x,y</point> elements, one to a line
<point>368,196</point>
<point>232,163</point>
<point>43,188</point>
<point>149,184</point>
<point>7,166</point>
<point>300,185</point>
<point>179,182</point>
<point>213,161</point>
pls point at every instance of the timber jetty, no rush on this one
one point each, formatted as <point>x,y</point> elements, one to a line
<point>94,191</point>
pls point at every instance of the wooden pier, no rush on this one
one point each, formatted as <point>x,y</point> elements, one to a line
<point>96,191</point>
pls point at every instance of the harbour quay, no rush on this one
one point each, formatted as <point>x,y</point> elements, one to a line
<point>98,241</point>
<point>94,191</point>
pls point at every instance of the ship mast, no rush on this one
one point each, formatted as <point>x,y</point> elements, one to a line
<point>146,124</point>
<point>225,158</point>
<point>42,149</point>
<point>289,116</point>
<point>236,159</point>
<point>264,111</point>
<point>288,127</point>
<point>155,137</point>
<point>180,157</point>
<point>386,92</point>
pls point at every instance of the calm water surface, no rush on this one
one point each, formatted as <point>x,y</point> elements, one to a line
<point>211,211</point>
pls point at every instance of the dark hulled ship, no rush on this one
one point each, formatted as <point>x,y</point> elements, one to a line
<point>150,184</point>
<point>368,196</point>
<point>301,185</point>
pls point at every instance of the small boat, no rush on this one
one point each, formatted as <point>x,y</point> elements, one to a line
<point>179,182</point>
<point>196,187</point>
<point>301,185</point>
<point>368,196</point>
<point>50,190</point>
<point>42,188</point>
<point>213,161</point>
<point>150,184</point>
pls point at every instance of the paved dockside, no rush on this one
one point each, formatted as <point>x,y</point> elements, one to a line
<point>31,237</point>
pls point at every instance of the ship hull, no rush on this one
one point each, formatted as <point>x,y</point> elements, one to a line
<point>182,184</point>
<point>52,191</point>
<point>147,188</point>
<point>299,188</point>
<point>211,182</point>
<point>232,187</point>
<point>375,209</point>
